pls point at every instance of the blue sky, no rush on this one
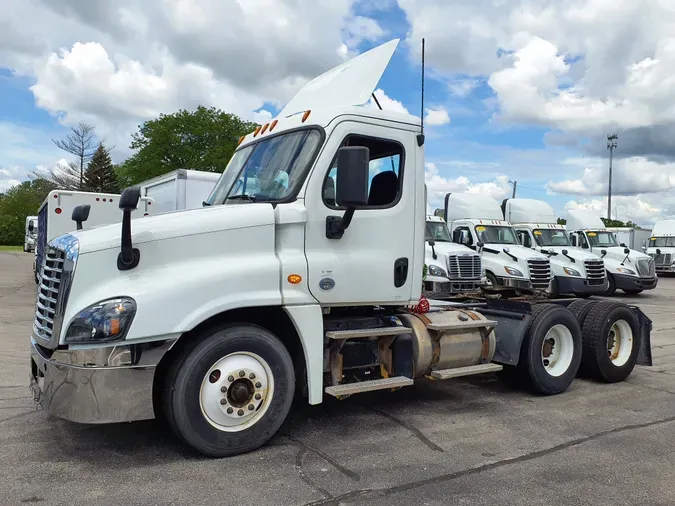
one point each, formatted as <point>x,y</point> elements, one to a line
<point>528,98</point>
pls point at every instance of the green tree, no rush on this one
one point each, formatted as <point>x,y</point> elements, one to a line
<point>21,201</point>
<point>100,174</point>
<point>200,140</point>
<point>562,221</point>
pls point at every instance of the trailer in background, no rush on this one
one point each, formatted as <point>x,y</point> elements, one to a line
<point>632,238</point>
<point>179,189</point>
<point>30,234</point>
<point>55,216</point>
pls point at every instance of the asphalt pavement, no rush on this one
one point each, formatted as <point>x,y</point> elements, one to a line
<point>464,442</point>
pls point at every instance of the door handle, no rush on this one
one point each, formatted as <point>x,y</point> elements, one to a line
<point>400,272</point>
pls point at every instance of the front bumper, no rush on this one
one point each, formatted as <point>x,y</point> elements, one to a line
<point>663,268</point>
<point>579,286</point>
<point>627,282</point>
<point>101,385</point>
<point>451,286</point>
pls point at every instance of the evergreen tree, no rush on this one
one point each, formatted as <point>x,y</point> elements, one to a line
<point>100,174</point>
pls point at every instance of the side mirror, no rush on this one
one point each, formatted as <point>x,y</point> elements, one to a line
<point>623,245</point>
<point>565,252</point>
<point>626,251</point>
<point>31,227</point>
<point>129,256</point>
<point>351,188</point>
<point>480,245</point>
<point>129,199</point>
<point>431,242</point>
<point>604,252</point>
<point>658,251</point>
<point>80,215</point>
<point>506,250</point>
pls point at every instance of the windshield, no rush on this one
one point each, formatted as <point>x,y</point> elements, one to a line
<point>492,234</point>
<point>268,171</point>
<point>437,231</point>
<point>662,242</point>
<point>601,239</point>
<point>549,237</point>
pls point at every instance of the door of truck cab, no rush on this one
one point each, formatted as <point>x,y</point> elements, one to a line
<point>374,260</point>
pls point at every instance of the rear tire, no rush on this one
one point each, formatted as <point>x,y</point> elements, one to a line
<point>256,372</point>
<point>611,342</point>
<point>580,308</point>
<point>611,286</point>
<point>551,351</point>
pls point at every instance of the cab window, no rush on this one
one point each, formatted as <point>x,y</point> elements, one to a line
<point>386,172</point>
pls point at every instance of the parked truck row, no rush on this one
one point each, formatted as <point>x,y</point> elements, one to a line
<point>300,277</point>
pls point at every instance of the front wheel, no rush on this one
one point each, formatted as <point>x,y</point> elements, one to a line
<point>232,391</point>
<point>491,280</point>
<point>611,286</point>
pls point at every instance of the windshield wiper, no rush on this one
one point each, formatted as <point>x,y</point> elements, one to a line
<point>243,196</point>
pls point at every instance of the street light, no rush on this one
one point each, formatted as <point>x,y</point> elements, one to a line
<point>611,145</point>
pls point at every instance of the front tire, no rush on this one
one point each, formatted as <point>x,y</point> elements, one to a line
<point>232,391</point>
<point>611,286</point>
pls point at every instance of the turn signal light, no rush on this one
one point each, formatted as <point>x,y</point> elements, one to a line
<point>306,115</point>
<point>294,279</point>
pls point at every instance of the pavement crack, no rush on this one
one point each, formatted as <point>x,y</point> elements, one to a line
<point>16,416</point>
<point>13,291</point>
<point>410,428</point>
<point>347,472</point>
<point>299,458</point>
<point>650,387</point>
<point>383,492</point>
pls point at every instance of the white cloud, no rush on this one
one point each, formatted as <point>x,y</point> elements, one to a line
<point>640,209</point>
<point>438,186</point>
<point>462,87</point>
<point>437,116</point>
<point>387,103</point>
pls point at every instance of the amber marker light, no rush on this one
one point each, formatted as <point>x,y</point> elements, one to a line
<point>294,279</point>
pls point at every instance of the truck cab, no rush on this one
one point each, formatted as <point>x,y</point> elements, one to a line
<point>476,221</point>
<point>661,246</point>
<point>575,271</point>
<point>628,270</point>
<point>30,235</point>
<point>451,268</point>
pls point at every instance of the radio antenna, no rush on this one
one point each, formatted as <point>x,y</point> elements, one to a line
<point>420,136</point>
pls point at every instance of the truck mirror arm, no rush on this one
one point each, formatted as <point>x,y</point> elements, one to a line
<point>129,256</point>
<point>565,252</point>
<point>336,225</point>
<point>432,243</point>
<point>515,258</point>
<point>604,252</point>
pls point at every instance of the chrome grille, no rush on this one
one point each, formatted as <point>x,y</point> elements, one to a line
<point>662,259</point>
<point>595,271</point>
<point>464,266</point>
<point>53,288</point>
<point>540,273</point>
<point>645,267</point>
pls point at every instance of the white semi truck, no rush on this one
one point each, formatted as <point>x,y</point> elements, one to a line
<point>30,234</point>
<point>661,246</point>
<point>55,216</point>
<point>575,271</point>
<point>213,319</point>
<point>628,270</point>
<point>179,189</point>
<point>451,268</point>
<point>476,221</point>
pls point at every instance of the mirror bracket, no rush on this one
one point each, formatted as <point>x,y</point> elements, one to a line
<point>336,225</point>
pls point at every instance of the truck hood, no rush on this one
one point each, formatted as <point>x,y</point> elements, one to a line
<point>520,252</point>
<point>576,253</point>
<point>177,224</point>
<point>449,248</point>
<point>616,253</point>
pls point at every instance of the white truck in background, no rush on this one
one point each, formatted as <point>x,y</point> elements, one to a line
<point>451,268</point>
<point>214,319</point>
<point>55,216</point>
<point>476,221</point>
<point>661,246</point>
<point>179,189</point>
<point>575,271</point>
<point>628,270</point>
<point>30,234</point>
<point>631,238</point>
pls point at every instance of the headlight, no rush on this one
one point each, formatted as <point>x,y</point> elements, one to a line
<point>571,272</point>
<point>625,271</point>
<point>108,320</point>
<point>513,272</point>
<point>436,271</point>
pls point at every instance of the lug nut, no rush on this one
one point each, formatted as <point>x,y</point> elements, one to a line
<point>257,397</point>
<point>242,374</point>
<point>223,401</point>
<point>240,412</point>
<point>258,384</point>
<point>230,411</point>
<point>251,407</point>
<point>223,389</point>
<point>252,376</point>
<point>230,378</point>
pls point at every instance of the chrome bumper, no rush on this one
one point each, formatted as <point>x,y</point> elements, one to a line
<point>101,385</point>
<point>452,286</point>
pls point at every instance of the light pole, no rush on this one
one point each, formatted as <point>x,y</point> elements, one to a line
<point>611,145</point>
<point>514,183</point>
